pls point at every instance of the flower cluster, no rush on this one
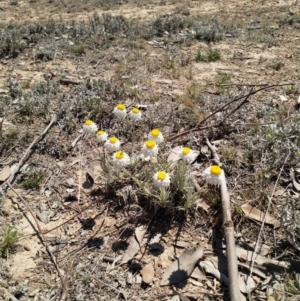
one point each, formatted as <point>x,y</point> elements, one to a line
<point>120,112</point>
<point>213,175</point>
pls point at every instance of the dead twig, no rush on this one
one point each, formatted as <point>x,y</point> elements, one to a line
<point>213,151</point>
<point>66,283</point>
<point>252,85</point>
<point>245,97</point>
<point>64,81</point>
<point>39,232</point>
<point>27,153</point>
<point>47,231</point>
<point>73,252</point>
<point>233,275</point>
<point>1,124</point>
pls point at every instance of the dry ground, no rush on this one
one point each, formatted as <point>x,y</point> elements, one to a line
<point>180,61</point>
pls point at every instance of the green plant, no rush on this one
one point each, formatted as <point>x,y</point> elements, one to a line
<point>223,79</point>
<point>9,139</point>
<point>229,154</point>
<point>276,64</point>
<point>291,285</point>
<point>33,179</point>
<point>211,55</point>
<point>200,57</point>
<point>78,49</point>
<point>8,238</point>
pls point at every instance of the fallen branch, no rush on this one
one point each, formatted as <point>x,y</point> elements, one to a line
<point>27,153</point>
<point>66,282</point>
<point>214,152</point>
<point>233,275</point>
<point>254,85</point>
<point>65,222</point>
<point>39,232</point>
<point>245,97</point>
<point>64,81</point>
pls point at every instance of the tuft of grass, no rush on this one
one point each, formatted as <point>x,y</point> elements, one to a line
<point>229,154</point>
<point>8,238</point>
<point>212,55</point>
<point>223,79</point>
<point>78,49</point>
<point>9,139</point>
<point>33,179</point>
<point>291,285</point>
<point>275,64</point>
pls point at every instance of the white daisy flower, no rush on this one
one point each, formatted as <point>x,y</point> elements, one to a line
<point>135,114</point>
<point>112,144</point>
<point>161,179</point>
<point>89,126</point>
<point>214,175</point>
<point>120,159</point>
<point>101,136</point>
<point>120,111</point>
<point>156,136</point>
<point>188,154</point>
<point>149,150</point>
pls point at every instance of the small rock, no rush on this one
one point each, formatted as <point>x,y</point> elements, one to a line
<point>27,247</point>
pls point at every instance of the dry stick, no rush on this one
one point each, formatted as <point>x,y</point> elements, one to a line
<point>27,152</point>
<point>65,222</point>
<point>233,275</point>
<point>254,85</point>
<point>213,151</point>
<point>198,128</point>
<point>264,220</point>
<point>39,232</point>
<point>67,281</point>
<point>73,252</point>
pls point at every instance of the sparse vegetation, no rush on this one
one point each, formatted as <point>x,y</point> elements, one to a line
<point>8,239</point>
<point>144,54</point>
<point>33,179</point>
<point>211,55</point>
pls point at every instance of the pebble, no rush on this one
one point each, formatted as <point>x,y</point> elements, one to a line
<point>27,248</point>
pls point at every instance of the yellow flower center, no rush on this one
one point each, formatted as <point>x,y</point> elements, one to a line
<point>121,107</point>
<point>135,111</point>
<point>100,133</point>
<point>215,170</point>
<point>155,132</point>
<point>113,140</point>
<point>161,176</point>
<point>150,144</point>
<point>186,151</point>
<point>119,155</point>
<point>88,122</point>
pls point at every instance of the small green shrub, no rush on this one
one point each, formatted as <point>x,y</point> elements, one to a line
<point>33,179</point>
<point>211,55</point>
<point>223,79</point>
<point>78,49</point>
<point>8,238</point>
